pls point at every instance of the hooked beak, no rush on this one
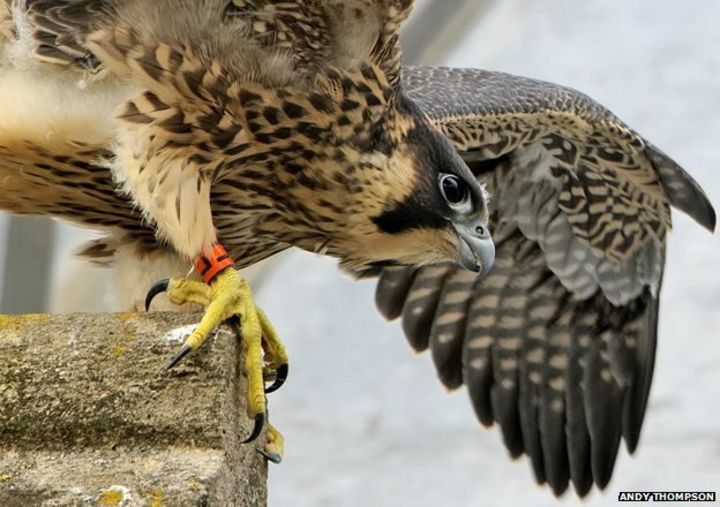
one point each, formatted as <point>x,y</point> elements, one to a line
<point>476,250</point>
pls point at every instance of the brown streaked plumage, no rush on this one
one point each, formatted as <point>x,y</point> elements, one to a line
<point>319,144</point>
<point>289,113</point>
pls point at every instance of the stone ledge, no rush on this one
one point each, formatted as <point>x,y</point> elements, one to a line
<point>88,414</point>
<point>168,476</point>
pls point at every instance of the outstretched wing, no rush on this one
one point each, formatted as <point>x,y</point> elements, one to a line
<point>556,344</point>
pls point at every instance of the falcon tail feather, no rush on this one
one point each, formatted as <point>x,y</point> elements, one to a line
<point>683,191</point>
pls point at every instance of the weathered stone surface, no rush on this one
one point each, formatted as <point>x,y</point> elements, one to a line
<point>89,414</point>
<point>165,476</point>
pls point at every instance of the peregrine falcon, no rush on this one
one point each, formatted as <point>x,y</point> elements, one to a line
<point>219,132</point>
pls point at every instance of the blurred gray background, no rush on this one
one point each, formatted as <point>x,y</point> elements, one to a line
<point>365,422</point>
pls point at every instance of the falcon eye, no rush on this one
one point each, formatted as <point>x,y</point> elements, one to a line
<point>454,190</point>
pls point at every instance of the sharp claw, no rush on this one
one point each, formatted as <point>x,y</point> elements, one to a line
<point>270,456</point>
<point>259,423</point>
<point>280,377</point>
<point>178,357</point>
<point>156,289</point>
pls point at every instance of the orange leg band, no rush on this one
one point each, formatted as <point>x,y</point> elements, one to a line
<point>213,263</point>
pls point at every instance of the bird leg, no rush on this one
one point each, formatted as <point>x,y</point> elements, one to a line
<point>226,296</point>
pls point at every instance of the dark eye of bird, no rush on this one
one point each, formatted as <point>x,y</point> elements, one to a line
<point>453,189</point>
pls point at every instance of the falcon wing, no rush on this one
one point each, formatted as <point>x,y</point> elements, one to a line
<point>557,343</point>
<point>341,33</point>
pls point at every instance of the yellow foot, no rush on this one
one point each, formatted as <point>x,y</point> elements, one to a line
<point>274,446</point>
<point>229,297</point>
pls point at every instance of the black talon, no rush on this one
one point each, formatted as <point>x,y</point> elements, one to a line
<point>281,375</point>
<point>259,423</point>
<point>156,289</point>
<point>178,357</point>
<point>270,456</point>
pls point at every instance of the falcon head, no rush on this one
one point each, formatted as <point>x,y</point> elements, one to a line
<point>352,168</point>
<point>410,199</point>
<point>433,208</point>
